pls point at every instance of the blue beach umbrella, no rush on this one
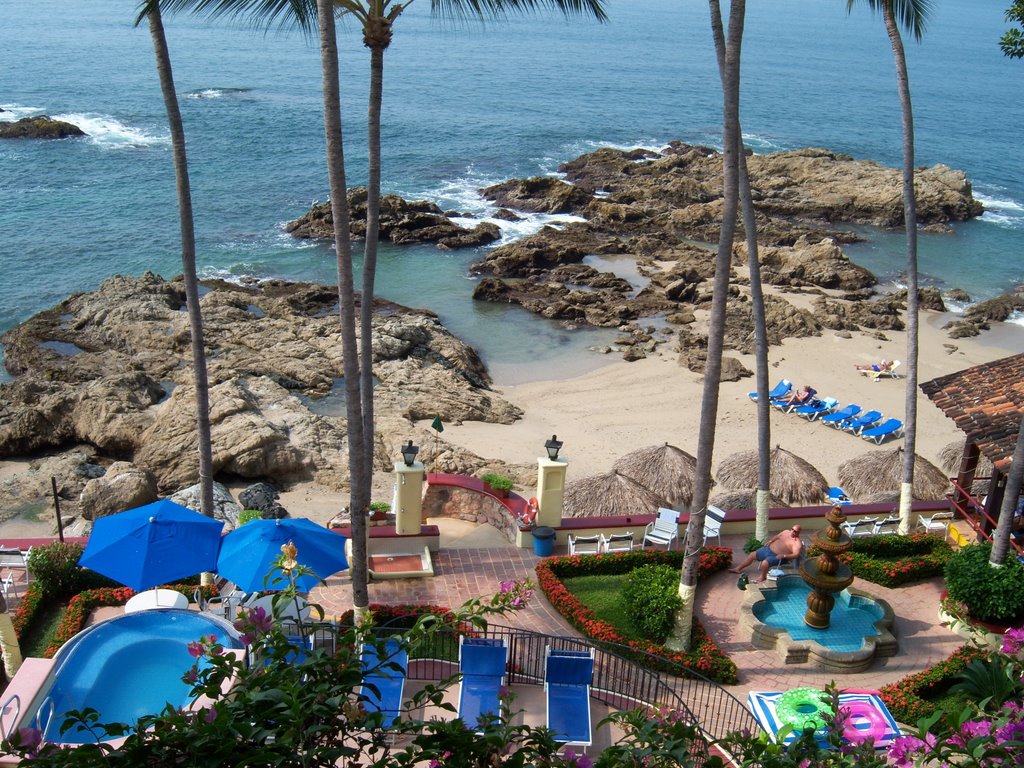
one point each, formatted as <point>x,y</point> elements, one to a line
<point>248,552</point>
<point>153,544</point>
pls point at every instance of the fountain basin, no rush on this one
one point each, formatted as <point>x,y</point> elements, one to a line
<point>861,628</point>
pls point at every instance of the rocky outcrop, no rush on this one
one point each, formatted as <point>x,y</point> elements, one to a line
<point>123,486</point>
<point>977,318</point>
<point>401,222</point>
<point>111,370</point>
<point>39,127</point>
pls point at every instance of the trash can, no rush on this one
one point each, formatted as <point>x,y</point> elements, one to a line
<point>543,540</point>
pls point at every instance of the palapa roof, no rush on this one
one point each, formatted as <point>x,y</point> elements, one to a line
<point>793,479</point>
<point>986,402</point>
<point>607,495</point>
<point>665,469</point>
<point>878,472</point>
<point>742,498</point>
<point>949,461</point>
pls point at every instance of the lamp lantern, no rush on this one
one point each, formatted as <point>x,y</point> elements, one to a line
<point>409,452</point>
<point>553,446</point>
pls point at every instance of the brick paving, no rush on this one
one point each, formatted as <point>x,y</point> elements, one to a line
<point>464,573</point>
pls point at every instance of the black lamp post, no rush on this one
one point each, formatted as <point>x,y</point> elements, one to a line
<point>409,452</point>
<point>553,446</point>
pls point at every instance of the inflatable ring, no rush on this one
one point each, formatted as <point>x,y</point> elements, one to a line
<point>531,511</point>
<point>802,708</point>
<point>870,713</point>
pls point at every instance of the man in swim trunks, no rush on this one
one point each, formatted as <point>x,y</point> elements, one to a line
<point>784,545</point>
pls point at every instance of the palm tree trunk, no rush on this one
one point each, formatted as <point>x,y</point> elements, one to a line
<point>1014,481</point>
<point>9,647</point>
<point>188,258</point>
<point>716,327</point>
<point>370,252</point>
<point>359,492</point>
<point>910,222</point>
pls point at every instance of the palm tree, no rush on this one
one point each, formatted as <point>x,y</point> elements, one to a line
<point>150,10</point>
<point>9,647</point>
<point>1014,481</point>
<point>730,73</point>
<point>911,14</point>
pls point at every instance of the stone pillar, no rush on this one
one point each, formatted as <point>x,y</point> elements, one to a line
<point>550,490</point>
<point>408,498</point>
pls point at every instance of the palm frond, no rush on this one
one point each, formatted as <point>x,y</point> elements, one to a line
<point>300,14</point>
<point>912,15</point>
<point>496,9</point>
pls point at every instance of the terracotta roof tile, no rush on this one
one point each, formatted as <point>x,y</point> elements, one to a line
<point>986,402</point>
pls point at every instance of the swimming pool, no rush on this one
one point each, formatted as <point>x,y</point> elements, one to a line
<point>126,667</point>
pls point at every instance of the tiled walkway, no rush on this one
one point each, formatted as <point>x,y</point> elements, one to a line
<point>466,573</point>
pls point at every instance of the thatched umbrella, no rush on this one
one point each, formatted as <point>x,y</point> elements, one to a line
<point>664,469</point>
<point>744,498</point>
<point>882,497</point>
<point>881,471</point>
<point>794,480</point>
<point>950,458</point>
<point>609,494</point>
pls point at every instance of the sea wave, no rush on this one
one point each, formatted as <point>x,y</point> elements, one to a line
<point>215,93</point>
<point>14,112</point>
<point>1000,209</point>
<point>107,131</point>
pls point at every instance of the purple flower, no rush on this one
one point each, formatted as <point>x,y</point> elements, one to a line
<point>570,754</point>
<point>1013,640</point>
<point>31,739</point>
<point>195,649</point>
<point>209,714</point>
<point>584,761</point>
<point>503,692</point>
<point>1010,732</point>
<point>507,586</point>
<point>191,676</point>
<point>903,749</point>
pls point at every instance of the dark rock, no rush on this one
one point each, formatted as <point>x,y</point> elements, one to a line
<point>958,295</point>
<point>538,195</point>
<point>39,127</point>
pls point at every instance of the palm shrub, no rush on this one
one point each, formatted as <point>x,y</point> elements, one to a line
<point>652,598</point>
<point>989,593</point>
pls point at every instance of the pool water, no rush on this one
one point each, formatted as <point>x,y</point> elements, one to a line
<point>127,667</point>
<point>852,619</point>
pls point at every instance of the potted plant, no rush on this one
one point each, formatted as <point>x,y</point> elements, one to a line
<point>500,484</point>
<point>379,510</point>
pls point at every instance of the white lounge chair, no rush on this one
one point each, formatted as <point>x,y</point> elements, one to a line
<point>585,545</point>
<point>858,529</point>
<point>891,524</point>
<point>618,542</point>
<point>664,530</point>
<point>713,518</point>
<point>940,521</point>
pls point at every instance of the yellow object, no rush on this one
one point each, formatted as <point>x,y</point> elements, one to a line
<point>550,490</point>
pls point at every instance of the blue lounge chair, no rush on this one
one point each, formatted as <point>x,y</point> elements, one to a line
<point>888,428</point>
<point>837,495</point>
<point>780,389</point>
<point>862,422</point>
<point>567,679</point>
<point>384,671</point>
<point>783,404</point>
<point>816,408</point>
<point>482,663</point>
<point>836,418</point>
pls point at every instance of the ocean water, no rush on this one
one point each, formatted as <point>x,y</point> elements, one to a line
<point>467,105</point>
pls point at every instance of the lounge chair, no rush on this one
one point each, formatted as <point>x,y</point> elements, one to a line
<point>836,418</point>
<point>891,524</point>
<point>779,390</point>
<point>713,518</point>
<point>618,542</point>
<point>888,428</point>
<point>384,671</point>
<point>664,530</point>
<point>859,423</point>
<point>567,679</point>
<point>876,373</point>
<point>482,663</point>
<point>785,404</point>
<point>858,529</point>
<point>817,407</point>
<point>940,521</point>
<point>585,545</point>
<point>838,496</point>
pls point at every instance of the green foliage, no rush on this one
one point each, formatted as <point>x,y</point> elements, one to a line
<point>990,682</point>
<point>916,696</point>
<point>247,515</point>
<point>893,560</point>
<point>651,595</point>
<point>498,482</point>
<point>990,594</point>
<point>380,506</point>
<point>752,544</point>
<point>1012,42</point>
<point>55,568</point>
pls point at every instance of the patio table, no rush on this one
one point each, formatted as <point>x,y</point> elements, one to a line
<point>155,598</point>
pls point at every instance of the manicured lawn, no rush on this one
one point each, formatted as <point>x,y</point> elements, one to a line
<point>602,594</point>
<point>42,631</point>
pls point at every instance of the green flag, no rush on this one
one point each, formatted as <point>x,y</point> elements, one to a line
<point>436,424</point>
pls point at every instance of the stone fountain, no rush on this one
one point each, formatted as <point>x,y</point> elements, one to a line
<point>825,574</point>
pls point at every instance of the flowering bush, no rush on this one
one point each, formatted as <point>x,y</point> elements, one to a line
<point>994,740</point>
<point>912,698</point>
<point>990,593</point>
<point>894,560</point>
<point>704,657</point>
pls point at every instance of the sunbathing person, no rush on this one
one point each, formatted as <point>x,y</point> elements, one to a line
<point>885,365</point>
<point>784,545</point>
<point>801,396</point>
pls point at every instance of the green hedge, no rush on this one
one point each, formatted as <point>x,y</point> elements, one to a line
<point>704,657</point>
<point>911,698</point>
<point>894,560</point>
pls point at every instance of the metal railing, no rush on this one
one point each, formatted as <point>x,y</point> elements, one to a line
<point>972,511</point>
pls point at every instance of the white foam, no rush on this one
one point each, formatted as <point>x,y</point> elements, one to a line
<point>1017,318</point>
<point>13,112</point>
<point>215,93</point>
<point>996,204</point>
<point>109,132</point>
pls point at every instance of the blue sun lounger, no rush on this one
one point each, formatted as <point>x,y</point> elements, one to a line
<point>838,496</point>
<point>384,678</point>
<point>482,663</point>
<point>836,418</point>
<point>817,407</point>
<point>861,422</point>
<point>567,679</point>
<point>780,389</point>
<point>888,428</point>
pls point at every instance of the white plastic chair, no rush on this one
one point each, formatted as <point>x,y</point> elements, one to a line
<point>589,545</point>
<point>617,542</point>
<point>713,524</point>
<point>664,530</point>
<point>891,524</point>
<point>940,521</point>
<point>858,529</point>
